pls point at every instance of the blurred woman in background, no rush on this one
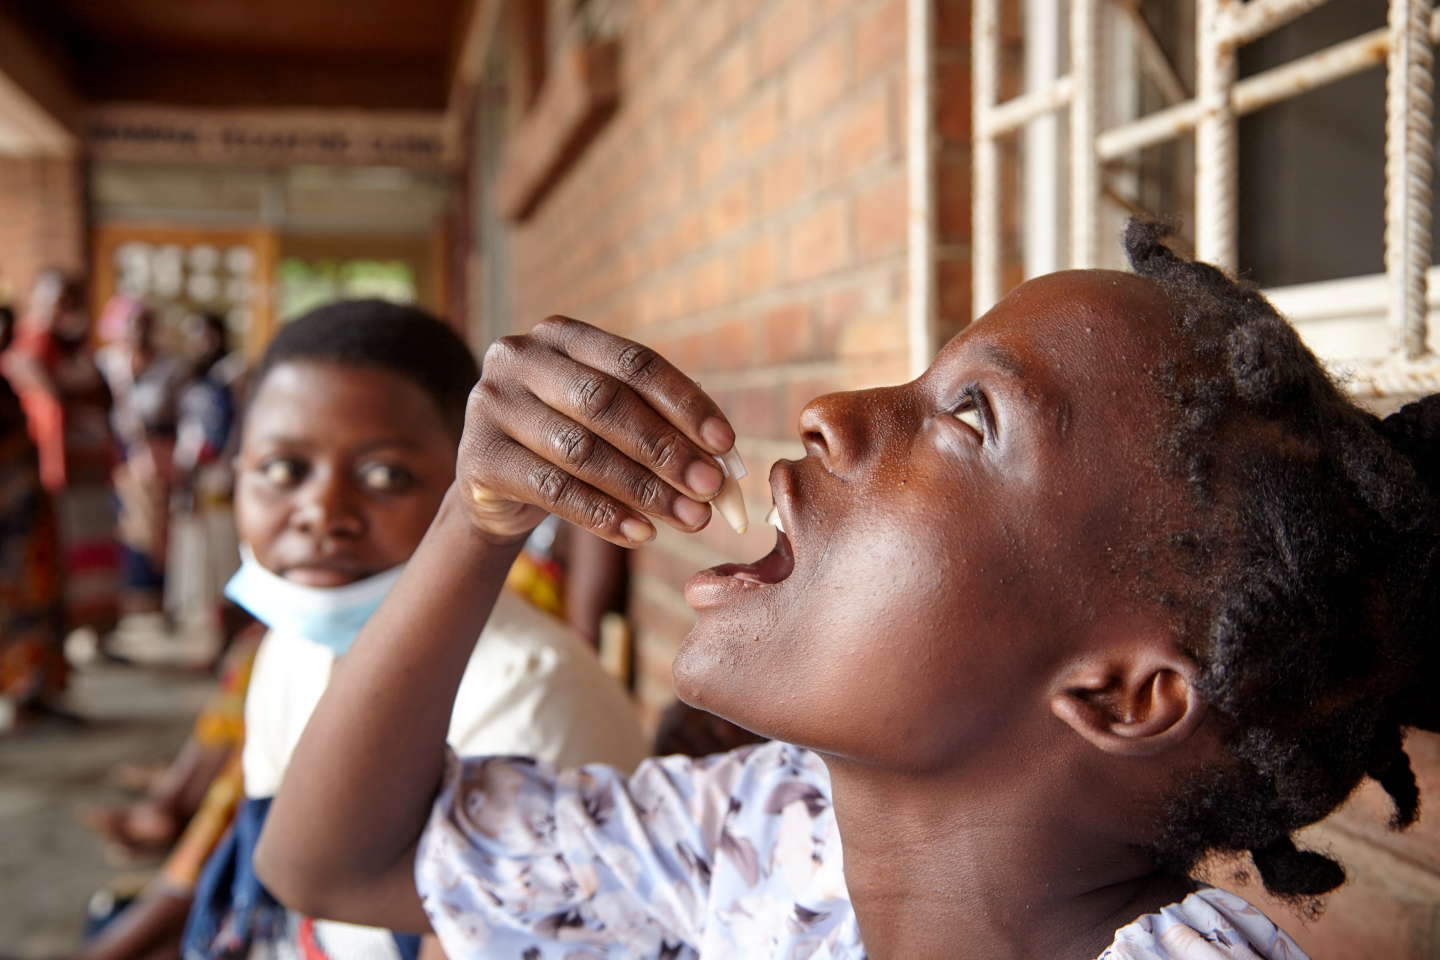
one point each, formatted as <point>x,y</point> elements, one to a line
<point>30,610</point>
<point>145,380</point>
<point>66,402</point>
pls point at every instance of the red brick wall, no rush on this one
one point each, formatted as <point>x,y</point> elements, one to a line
<point>744,212</point>
<point>42,221</point>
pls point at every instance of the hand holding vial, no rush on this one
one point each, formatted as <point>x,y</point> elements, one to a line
<point>599,430</point>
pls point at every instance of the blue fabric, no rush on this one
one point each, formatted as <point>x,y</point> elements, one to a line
<point>138,571</point>
<point>329,616</point>
<point>232,908</point>
<point>409,945</point>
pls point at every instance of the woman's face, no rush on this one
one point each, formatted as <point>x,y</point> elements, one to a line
<point>340,471</point>
<point>945,540</point>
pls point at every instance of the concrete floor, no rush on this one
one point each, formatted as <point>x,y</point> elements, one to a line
<point>49,863</point>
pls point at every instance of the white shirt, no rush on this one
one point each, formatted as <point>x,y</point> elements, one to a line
<point>531,688</point>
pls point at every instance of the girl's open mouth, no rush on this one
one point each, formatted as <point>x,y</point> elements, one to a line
<point>729,581</point>
<point>771,568</point>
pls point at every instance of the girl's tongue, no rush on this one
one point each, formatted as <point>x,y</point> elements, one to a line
<point>771,568</point>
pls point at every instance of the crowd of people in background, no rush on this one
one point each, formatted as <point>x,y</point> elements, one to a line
<point>119,445</point>
<point>115,448</point>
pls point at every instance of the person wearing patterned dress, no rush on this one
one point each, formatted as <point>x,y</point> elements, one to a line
<point>1122,581</point>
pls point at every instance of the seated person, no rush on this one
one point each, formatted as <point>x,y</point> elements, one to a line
<point>347,448</point>
<point>1121,580</point>
<point>153,822</point>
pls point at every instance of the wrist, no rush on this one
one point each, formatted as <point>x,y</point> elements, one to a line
<point>461,514</point>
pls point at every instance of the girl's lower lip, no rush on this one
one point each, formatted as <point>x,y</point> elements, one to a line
<point>710,588</point>
<point>730,581</point>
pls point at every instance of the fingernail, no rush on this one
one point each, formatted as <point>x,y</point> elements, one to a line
<point>690,513</point>
<point>717,435</point>
<point>704,478</point>
<point>636,531</point>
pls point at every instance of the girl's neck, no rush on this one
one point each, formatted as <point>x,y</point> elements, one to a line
<point>930,866</point>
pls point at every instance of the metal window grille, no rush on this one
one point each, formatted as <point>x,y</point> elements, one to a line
<point>1409,366</point>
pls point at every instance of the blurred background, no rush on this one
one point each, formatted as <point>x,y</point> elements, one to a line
<point>786,197</point>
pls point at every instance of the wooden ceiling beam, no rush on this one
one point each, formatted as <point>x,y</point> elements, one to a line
<point>39,107</point>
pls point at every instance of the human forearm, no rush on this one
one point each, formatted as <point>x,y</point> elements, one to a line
<point>568,420</point>
<point>341,834</point>
<point>149,925</point>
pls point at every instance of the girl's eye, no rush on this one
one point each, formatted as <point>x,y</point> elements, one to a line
<point>385,478</point>
<point>282,471</point>
<point>970,416</point>
<point>971,411</point>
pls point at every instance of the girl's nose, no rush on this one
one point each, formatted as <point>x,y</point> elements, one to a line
<point>326,508</point>
<point>838,428</point>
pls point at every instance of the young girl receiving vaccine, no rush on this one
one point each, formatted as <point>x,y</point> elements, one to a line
<point>347,448</point>
<point>1121,580</point>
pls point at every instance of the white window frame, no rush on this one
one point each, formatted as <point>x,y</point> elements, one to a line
<point>1378,329</point>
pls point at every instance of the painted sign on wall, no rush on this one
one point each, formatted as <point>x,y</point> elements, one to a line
<point>151,134</point>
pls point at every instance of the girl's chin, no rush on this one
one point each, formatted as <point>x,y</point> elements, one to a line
<point>324,577</point>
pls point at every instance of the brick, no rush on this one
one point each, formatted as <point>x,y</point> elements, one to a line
<point>789,333</point>
<point>786,177</point>
<point>841,306</point>
<point>734,76</point>
<point>818,78</point>
<point>43,224</point>
<point>746,11</point>
<point>819,242</point>
<point>714,156</point>
<point>760,123</point>
<point>881,218</point>
<point>757,265</point>
<point>781,34</point>
<point>674,298</point>
<point>880,39</point>
<point>728,210</point>
<point>833,11</point>
<point>712,283</point>
<point>763,411</point>
<point>685,236</point>
<point>728,346</point>
<point>877,334</point>
<point>862,133</point>
<point>704,31</point>
<point>877,369</point>
<point>689,115</point>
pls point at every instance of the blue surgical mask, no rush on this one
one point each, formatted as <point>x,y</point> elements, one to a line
<point>329,616</point>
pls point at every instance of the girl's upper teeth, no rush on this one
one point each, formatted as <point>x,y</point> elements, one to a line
<point>773,518</point>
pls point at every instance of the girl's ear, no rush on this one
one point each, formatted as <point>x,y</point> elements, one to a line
<point>1137,702</point>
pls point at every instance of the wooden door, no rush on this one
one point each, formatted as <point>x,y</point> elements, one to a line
<point>182,269</point>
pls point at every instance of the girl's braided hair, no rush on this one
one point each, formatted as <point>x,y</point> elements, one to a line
<point>1309,587</point>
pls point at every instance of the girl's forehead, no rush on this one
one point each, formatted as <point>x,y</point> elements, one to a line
<point>332,402</point>
<point>1070,320</point>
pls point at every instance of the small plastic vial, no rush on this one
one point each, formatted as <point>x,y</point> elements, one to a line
<point>730,501</point>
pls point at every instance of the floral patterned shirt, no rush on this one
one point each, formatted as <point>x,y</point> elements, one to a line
<point>734,855</point>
